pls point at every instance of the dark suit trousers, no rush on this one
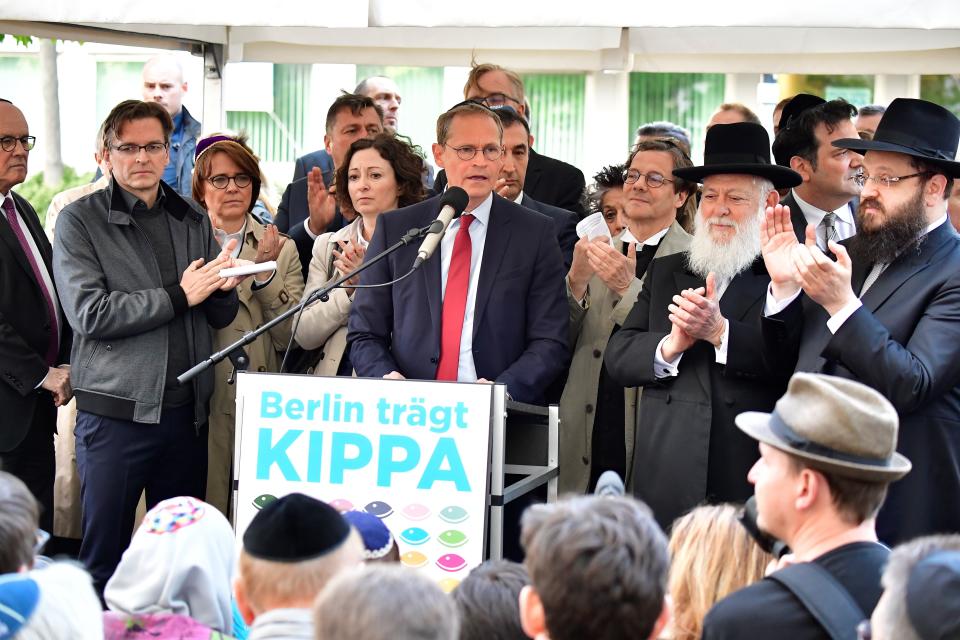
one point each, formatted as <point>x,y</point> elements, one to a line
<point>33,460</point>
<point>119,459</point>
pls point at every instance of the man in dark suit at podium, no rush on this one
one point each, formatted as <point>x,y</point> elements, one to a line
<point>489,305</point>
<point>34,338</point>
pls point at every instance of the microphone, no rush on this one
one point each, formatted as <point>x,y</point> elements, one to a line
<point>452,203</point>
<point>609,485</point>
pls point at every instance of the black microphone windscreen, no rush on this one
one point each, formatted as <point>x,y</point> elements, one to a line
<point>456,197</point>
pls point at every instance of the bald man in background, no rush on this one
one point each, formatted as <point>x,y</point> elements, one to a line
<point>163,83</point>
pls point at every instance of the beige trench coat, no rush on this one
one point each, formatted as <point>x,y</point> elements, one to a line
<point>324,324</point>
<point>256,307</point>
<point>590,328</point>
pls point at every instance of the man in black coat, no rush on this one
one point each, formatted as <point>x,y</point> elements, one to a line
<point>34,337</point>
<point>692,340</point>
<point>886,312</point>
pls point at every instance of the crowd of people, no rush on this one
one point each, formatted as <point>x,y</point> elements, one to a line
<point>776,326</point>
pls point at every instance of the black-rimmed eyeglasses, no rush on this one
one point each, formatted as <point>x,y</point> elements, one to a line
<point>130,150</point>
<point>9,143</point>
<point>242,181</point>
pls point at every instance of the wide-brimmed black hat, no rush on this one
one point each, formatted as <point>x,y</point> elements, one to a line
<point>741,147</point>
<point>916,128</point>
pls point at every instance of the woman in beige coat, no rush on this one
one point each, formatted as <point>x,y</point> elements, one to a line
<point>602,287</point>
<point>378,175</point>
<point>226,182</point>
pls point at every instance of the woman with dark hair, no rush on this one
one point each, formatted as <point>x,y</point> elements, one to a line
<point>226,182</point>
<point>377,175</point>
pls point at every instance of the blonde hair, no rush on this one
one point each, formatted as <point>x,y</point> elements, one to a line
<point>711,555</point>
<point>269,585</point>
<point>477,70</point>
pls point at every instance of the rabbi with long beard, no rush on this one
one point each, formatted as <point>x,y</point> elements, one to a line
<point>693,338</point>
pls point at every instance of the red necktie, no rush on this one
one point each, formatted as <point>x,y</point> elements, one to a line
<point>455,302</point>
<point>52,342</point>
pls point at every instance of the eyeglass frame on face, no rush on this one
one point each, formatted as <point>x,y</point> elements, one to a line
<point>9,143</point>
<point>485,101</point>
<point>646,178</point>
<point>132,150</point>
<point>887,181</point>
<point>226,180</point>
<point>473,152</point>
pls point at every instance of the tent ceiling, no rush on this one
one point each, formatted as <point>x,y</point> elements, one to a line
<point>893,36</point>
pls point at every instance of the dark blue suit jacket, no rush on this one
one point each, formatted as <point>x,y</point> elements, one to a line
<point>520,320</point>
<point>905,343</point>
<point>564,222</point>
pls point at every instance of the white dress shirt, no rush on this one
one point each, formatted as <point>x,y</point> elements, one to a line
<point>466,369</point>
<point>843,224</point>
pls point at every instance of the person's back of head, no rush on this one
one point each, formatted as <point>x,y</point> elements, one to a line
<point>488,601</point>
<point>54,603</point>
<point>291,549</point>
<point>352,606</point>
<point>921,597</point>
<point>19,515</point>
<point>711,556</point>
<point>180,561</point>
<point>598,569</point>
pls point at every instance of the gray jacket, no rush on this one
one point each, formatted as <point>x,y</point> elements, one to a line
<point>112,295</point>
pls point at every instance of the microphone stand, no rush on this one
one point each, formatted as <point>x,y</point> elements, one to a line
<point>235,351</point>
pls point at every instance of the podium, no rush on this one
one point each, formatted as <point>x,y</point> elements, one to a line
<point>437,462</point>
<point>524,451</point>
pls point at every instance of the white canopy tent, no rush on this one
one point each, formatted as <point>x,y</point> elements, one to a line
<point>894,39</point>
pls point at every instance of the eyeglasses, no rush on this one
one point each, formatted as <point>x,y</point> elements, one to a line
<point>242,181</point>
<point>496,100</point>
<point>887,181</point>
<point>9,143</point>
<point>130,150</point>
<point>490,152</point>
<point>864,630</point>
<point>652,179</point>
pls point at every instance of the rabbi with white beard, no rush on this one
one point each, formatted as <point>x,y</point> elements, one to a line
<point>693,338</point>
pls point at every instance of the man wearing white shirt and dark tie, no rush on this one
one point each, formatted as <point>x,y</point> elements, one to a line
<point>823,200</point>
<point>887,312</point>
<point>490,305</point>
<point>34,338</point>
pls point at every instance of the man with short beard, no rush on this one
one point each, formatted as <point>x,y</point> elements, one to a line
<point>692,340</point>
<point>886,312</point>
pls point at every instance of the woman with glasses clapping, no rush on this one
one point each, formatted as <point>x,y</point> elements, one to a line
<point>226,182</point>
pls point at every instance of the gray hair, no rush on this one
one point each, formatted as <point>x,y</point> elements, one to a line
<point>19,515</point>
<point>352,606</point>
<point>68,608</point>
<point>665,129</point>
<point>893,616</point>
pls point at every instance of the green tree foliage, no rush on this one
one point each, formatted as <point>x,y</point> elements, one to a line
<point>39,195</point>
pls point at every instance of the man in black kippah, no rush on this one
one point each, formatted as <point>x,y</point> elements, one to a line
<point>291,549</point>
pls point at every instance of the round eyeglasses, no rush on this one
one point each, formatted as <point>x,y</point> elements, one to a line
<point>653,180</point>
<point>242,181</point>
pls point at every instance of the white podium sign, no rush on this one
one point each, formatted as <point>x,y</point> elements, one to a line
<point>413,453</point>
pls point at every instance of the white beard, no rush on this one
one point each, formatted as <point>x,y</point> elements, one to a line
<point>705,255</point>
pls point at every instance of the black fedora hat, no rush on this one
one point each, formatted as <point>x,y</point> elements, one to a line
<point>741,147</point>
<point>916,128</point>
